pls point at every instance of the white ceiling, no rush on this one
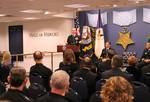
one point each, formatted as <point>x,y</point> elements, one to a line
<point>12,8</point>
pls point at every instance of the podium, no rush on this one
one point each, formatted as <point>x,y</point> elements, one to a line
<point>62,48</point>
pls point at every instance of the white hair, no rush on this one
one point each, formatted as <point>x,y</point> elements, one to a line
<point>59,80</point>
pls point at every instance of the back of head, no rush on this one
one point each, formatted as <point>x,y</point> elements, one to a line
<point>116,61</point>
<point>117,89</point>
<point>69,56</point>
<point>59,80</point>
<point>38,55</point>
<point>86,62</point>
<point>132,60</point>
<point>6,57</point>
<point>17,76</point>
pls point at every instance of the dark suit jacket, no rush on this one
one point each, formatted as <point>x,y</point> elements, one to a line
<point>14,96</point>
<point>51,97</point>
<point>42,71</point>
<point>69,68</point>
<point>131,69</point>
<point>90,77</point>
<point>116,72</point>
<point>146,54</point>
<point>4,71</point>
<point>108,53</point>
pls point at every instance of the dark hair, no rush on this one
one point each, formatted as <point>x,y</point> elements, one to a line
<point>17,76</point>
<point>69,56</point>
<point>116,61</point>
<point>108,42</point>
<point>37,55</point>
<point>86,62</point>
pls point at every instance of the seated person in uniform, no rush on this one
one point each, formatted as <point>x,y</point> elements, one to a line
<point>145,59</point>
<point>106,55</point>
<point>17,80</point>
<point>59,86</point>
<point>107,52</point>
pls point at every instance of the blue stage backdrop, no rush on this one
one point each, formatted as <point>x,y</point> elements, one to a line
<point>139,30</point>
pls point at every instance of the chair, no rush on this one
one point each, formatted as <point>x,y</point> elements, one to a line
<point>146,79</point>
<point>95,97</point>
<point>80,86</point>
<point>141,92</point>
<point>36,90</point>
<point>73,96</point>
<point>36,78</point>
<point>2,87</point>
<point>99,84</point>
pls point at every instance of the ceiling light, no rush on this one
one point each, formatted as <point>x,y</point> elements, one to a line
<point>31,18</point>
<point>32,11</point>
<point>76,5</point>
<point>46,12</point>
<point>2,15</point>
<point>136,1</point>
<point>114,5</point>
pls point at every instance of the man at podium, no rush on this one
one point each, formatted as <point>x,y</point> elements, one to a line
<point>74,38</point>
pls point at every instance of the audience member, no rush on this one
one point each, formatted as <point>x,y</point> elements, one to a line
<point>1,57</point>
<point>59,86</point>
<point>86,73</point>
<point>6,66</point>
<point>17,80</point>
<point>40,70</point>
<point>73,96</point>
<point>117,89</point>
<point>132,69</point>
<point>69,63</point>
<point>116,64</point>
<point>141,92</point>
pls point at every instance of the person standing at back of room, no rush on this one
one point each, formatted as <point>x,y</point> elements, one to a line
<point>40,69</point>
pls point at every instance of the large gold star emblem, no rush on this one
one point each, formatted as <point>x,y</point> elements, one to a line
<point>125,39</point>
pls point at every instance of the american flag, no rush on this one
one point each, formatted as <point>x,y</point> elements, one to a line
<point>76,21</point>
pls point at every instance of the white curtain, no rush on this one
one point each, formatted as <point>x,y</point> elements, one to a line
<point>92,19</point>
<point>104,18</point>
<point>99,42</point>
<point>124,18</point>
<point>146,15</point>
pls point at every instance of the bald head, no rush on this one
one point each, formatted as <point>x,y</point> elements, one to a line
<point>38,55</point>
